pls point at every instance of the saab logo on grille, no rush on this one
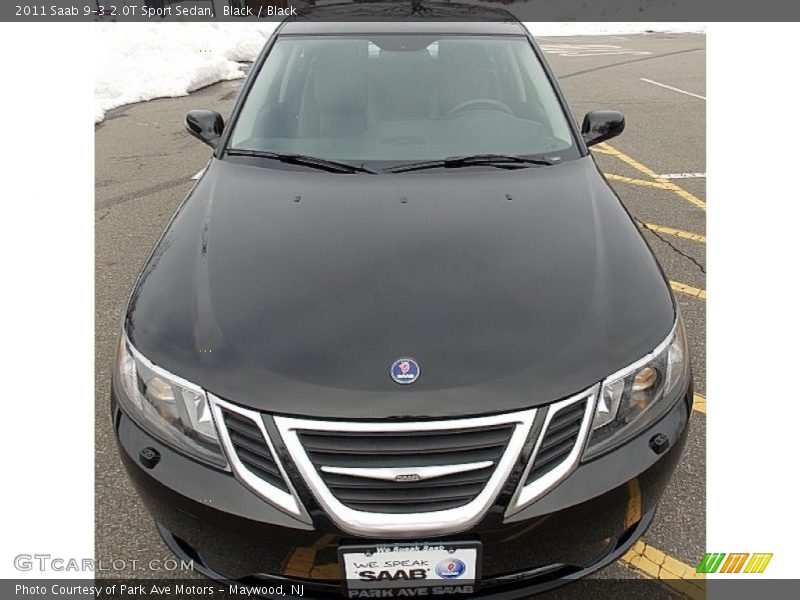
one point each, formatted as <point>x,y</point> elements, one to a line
<point>405,371</point>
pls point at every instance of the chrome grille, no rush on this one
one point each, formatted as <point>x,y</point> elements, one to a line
<point>385,473</point>
<point>252,449</point>
<point>558,441</point>
<point>252,456</point>
<point>406,479</point>
<point>558,449</point>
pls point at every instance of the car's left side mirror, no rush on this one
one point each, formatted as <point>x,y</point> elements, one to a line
<point>205,125</point>
<point>601,125</point>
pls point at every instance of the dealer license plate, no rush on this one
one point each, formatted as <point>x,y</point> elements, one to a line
<point>410,570</point>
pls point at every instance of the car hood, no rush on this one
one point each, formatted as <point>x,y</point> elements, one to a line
<point>294,291</point>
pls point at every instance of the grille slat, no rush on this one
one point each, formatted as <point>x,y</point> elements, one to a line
<point>268,477</point>
<point>456,441</point>
<point>425,459</point>
<point>252,450</point>
<point>419,507</point>
<point>559,440</point>
<point>399,496</point>
<point>566,417</point>
<point>250,445</point>
<point>251,458</point>
<point>335,480</point>
<point>241,424</point>
<point>564,433</point>
<point>554,453</point>
<point>406,450</point>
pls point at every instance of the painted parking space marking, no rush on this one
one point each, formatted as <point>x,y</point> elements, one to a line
<point>655,564</point>
<point>674,89</point>
<point>633,181</point>
<point>578,50</point>
<point>633,513</point>
<point>685,235</point>
<point>670,571</point>
<point>302,561</point>
<point>683,176</point>
<point>699,403</point>
<point>667,184</point>
<point>688,290</point>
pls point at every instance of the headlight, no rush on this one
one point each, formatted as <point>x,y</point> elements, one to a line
<point>637,395</point>
<point>173,410</point>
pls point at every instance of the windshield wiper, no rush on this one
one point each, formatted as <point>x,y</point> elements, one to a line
<point>314,162</point>
<point>489,160</point>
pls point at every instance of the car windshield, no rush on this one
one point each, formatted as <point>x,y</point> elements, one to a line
<point>400,99</point>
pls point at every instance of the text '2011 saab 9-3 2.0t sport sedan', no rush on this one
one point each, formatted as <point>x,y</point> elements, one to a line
<point>401,338</point>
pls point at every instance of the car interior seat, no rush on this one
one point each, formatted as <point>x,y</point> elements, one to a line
<point>336,102</point>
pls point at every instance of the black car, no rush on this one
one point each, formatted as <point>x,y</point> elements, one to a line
<point>402,338</point>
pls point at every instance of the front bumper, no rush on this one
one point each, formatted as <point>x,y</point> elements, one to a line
<point>586,522</point>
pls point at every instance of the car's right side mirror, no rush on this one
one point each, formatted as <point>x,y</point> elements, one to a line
<point>601,125</point>
<point>205,125</point>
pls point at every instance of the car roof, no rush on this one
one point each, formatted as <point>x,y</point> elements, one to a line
<point>403,18</point>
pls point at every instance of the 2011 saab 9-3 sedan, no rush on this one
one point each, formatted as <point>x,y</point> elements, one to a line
<point>401,338</point>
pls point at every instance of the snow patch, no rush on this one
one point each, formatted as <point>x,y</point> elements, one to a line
<point>141,61</point>
<point>568,29</point>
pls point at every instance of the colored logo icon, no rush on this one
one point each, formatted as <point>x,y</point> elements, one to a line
<point>719,562</point>
<point>450,568</point>
<point>405,371</point>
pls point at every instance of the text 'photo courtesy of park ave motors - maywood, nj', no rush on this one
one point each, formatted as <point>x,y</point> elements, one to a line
<point>155,590</point>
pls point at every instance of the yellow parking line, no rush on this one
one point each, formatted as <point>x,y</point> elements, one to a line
<point>623,179</point>
<point>631,161</point>
<point>670,571</point>
<point>686,235</point>
<point>654,563</point>
<point>326,571</point>
<point>633,514</point>
<point>699,403</point>
<point>688,290</point>
<point>301,561</point>
<point>667,185</point>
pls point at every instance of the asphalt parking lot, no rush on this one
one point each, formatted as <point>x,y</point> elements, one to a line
<point>145,161</point>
